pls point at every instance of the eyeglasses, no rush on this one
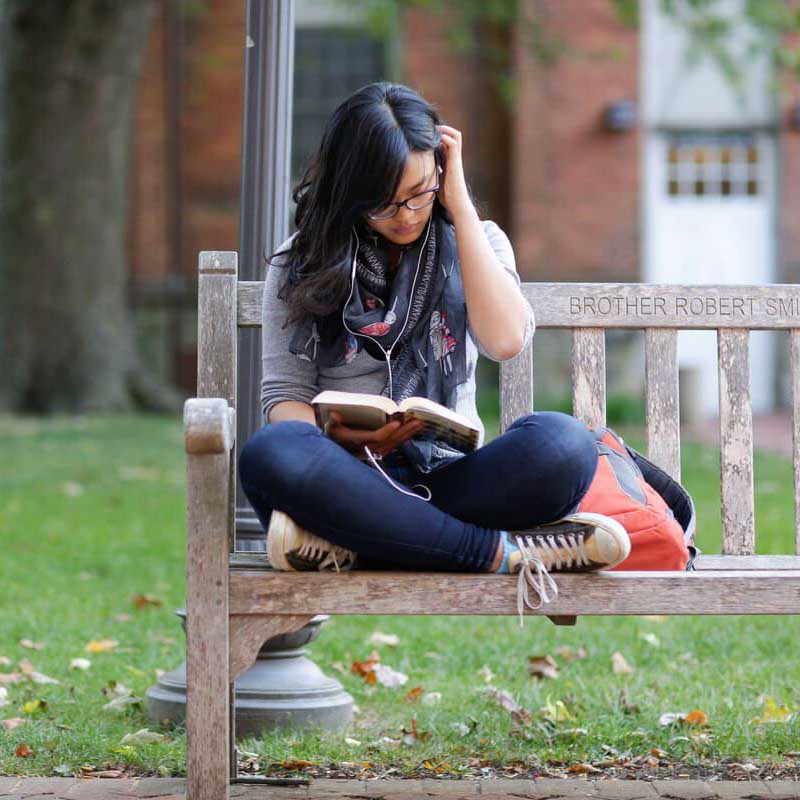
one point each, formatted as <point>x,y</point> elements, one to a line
<point>413,203</point>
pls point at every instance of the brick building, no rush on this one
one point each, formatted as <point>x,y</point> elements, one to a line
<point>617,162</point>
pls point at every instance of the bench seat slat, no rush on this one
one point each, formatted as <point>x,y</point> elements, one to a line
<point>607,593</point>
<point>257,561</point>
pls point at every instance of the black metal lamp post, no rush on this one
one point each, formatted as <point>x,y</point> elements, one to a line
<point>283,687</point>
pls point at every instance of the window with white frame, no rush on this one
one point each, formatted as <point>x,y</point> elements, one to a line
<point>713,165</point>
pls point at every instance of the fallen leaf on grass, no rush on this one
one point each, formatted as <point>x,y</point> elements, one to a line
<point>696,717</point>
<point>297,764</point>
<point>14,722</point>
<point>391,678</point>
<point>486,674</point>
<point>32,706</point>
<point>122,618</point>
<point>651,639</point>
<point>568,654</point>
<point>5,661</point>
<point>23,751</point>
<point>32,645</point>
<point>655,617</point>
<point>773,713</point>
<point>742,771</point>
<point>583,769</point>
<point>10,677</point>
<point>119,704</point>
<point>378,639</point>
<point>431,698</point>
<point>352,742</point>
<point>555,712</point>
<point>142,736</point>
<point>101,645</point>
<point>80,663</point>
<point>542,667</point>
<point>414,694</point>
<point>671,717</point>
<point>414,734</point>
<point>37,677</point>
<point>143,600</point>
<point>72,489</point>
<point>366,669</point>
<point>505,699</point>
<point>121,695</point>
<point>570,733</point>
<point>620,665</point>
<point>434,656</point>
<point>4,701</point>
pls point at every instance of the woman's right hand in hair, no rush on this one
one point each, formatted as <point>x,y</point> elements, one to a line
<point>380,442</point>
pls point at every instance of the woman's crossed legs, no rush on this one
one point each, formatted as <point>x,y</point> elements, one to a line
<point>535,472</point>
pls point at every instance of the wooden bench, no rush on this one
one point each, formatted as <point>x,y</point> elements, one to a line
<point>235,602</point>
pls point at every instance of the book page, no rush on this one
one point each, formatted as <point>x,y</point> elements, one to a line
<point>365,411</point>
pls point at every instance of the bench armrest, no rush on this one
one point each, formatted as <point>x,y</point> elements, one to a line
<point>209,425</point>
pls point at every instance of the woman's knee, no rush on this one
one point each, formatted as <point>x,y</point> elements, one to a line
<point>277,453</point>
<point>566,443</point>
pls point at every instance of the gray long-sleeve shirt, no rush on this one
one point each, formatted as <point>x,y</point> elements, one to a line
<point>285,376</point>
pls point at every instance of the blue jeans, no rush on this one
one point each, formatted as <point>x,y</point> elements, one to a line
<point>536,472</point>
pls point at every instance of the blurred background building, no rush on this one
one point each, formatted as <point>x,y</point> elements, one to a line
<point>620,160</point>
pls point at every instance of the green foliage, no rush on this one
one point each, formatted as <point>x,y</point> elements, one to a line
<point>708,23</point>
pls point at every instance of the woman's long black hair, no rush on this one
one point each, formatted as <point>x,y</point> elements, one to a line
<point>358,166</point>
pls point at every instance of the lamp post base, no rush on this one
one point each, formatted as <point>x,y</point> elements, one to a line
<point>283,689</point>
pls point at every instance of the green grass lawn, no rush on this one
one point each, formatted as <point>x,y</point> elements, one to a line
<point>92,513</point>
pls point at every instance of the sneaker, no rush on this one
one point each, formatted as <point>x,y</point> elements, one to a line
<point>290,547</point>
<point>580,542</point>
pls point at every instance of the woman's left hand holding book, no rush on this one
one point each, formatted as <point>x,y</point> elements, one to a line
<point>381,442</point>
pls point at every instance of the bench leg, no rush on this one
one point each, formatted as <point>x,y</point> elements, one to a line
<point>207,674</point>
<point>563,620</point>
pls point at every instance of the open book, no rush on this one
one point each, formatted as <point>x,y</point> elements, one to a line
<point>371,411</point>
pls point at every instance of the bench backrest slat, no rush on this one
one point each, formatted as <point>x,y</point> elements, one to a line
<point>662,411</point>
<point>217,336</point>
<point>794,349</point>
<point>736,443</point>
<point>588,310</point>
<point>516,388</point>
<point>589,376</point>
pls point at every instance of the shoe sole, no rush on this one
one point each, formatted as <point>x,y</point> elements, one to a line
<point>280,528</point>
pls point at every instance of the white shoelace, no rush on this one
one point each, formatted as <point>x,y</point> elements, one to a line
<point>314,547</point>
<point>560,550</point>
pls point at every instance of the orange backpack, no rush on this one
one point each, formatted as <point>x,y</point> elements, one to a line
<point>655,510</point>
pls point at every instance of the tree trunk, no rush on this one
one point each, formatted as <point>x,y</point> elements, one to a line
<point>69,73</point>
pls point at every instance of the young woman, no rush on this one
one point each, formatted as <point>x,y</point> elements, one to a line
<point>392,285</point>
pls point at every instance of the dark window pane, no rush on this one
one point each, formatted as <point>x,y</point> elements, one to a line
<point>330,64</point>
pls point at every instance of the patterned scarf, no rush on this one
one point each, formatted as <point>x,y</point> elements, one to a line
<point>419,312</point>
